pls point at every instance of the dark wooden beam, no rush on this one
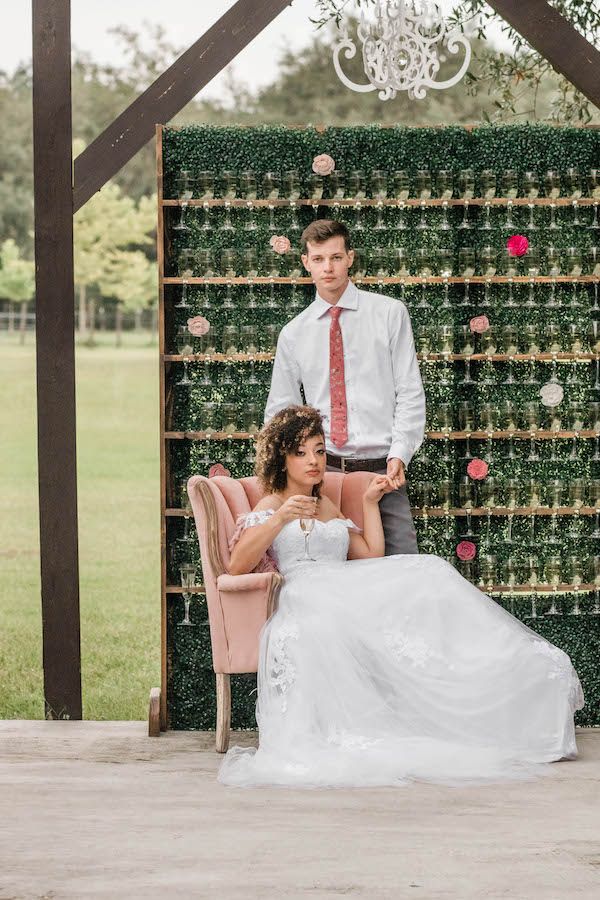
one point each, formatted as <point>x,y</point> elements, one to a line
<point>130,131</point>
<point>565,48</point>
<point>55,356</point>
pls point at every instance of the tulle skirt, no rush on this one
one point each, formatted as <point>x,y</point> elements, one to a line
<point>386,671</point>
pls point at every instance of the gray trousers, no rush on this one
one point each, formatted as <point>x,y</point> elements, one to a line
<point>397,521</point>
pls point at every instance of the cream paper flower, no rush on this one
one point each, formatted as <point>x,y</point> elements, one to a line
<point>552,394</point>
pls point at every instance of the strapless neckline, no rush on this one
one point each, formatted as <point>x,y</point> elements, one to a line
<point>319,521</point>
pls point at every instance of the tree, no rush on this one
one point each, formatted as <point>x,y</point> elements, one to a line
<point>17,280</point>
<point>508,77</point>
<point>111,226</point>
<point>130,278</point>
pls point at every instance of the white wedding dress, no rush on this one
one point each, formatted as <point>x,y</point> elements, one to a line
<point>384,671</point>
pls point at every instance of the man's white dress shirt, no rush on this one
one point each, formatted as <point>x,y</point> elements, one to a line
<point>384,392</point>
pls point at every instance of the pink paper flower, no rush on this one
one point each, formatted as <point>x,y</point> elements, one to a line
<point>479,324</point>
<point>517,245</point>
<point>218,469</point>
<point>466,550</point>
<point>323,164</point>
<point>280,243</point>
<point>198,326</point>
<point>477,469</point>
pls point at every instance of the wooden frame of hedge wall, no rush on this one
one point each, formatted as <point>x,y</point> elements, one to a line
<point>171,657</point>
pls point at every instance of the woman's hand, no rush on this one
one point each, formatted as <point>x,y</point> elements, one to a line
<point>298,507</point>
<point>380,485</point>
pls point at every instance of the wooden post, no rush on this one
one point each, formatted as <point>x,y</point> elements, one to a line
<point>565,48</point>
<point>55,354</point>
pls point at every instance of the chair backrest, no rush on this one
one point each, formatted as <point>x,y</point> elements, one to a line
<point>217,502</point>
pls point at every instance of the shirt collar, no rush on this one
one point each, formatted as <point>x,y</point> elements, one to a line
<point>348,300</point>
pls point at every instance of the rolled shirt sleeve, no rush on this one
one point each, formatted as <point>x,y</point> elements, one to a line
<point>408,429</point>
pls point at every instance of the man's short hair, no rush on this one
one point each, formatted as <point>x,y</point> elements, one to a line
<point>321,230</point>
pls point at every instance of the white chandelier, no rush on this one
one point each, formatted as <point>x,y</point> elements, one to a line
<point>401,49</point>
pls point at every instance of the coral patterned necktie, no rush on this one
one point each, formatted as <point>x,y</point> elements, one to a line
<point>337,385</point>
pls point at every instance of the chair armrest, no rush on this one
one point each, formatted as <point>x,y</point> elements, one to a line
<point>246,603</point>
<point>253,581</point>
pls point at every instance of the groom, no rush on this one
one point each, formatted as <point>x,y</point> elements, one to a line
<point>353,354</point>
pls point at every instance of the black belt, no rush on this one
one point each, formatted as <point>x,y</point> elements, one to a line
<point>351,464</point>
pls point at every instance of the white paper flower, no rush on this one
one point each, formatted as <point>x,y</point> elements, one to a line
<point>552,394</point>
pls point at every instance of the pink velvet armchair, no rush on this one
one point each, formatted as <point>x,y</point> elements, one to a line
<point>239,605</point>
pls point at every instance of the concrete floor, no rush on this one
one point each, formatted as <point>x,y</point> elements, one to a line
<point>97,809</point>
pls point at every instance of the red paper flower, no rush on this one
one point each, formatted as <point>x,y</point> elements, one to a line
<point>479,324</point>
<point>517,245</point>
<point>280,243</point>
<point>218,469</point>
<point>477,469</point>
<point>466,550</point>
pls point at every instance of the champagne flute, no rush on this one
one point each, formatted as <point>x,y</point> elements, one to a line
<point>512,494</point>
<point>249,191</point>
<point>401,193</point>
<point>205,184</point>
<point>423,185</point>
<point>594,417</point>
<point>531,413</point>
<point>595,577</point>
<point>359,265</point>
<point>510,575</point>
<point>185,350</point>
<point>594,500</point>
<point>466,496</point>
<point>553,189</point>
<point>465,424</point>
<point>185,192</point>
<point>510,188</point>
<point>556,490</point>
<point>574,190</point>
<point>531,185</point>
<point>187,573</point>
<point>488,257</point>
<point>575,568</point>
<point>553,575</point>
<point>594,191</point>
<point>466,183</point>
<point>487,570</point>
<point>508,418</point>
<point>488,190</point>
<point>444,188</point>
<point>510,347</point>
<point>307,526</point>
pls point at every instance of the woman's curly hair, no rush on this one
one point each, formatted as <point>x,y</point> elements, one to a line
<point>284,434</point>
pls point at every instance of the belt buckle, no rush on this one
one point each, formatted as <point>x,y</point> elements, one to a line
<point>344,460</point>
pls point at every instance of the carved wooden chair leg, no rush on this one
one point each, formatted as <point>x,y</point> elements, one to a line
<point>223,712</point>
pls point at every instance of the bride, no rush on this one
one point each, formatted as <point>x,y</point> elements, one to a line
<point>383,670</point>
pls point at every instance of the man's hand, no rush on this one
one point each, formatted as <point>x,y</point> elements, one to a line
<point>395,471</point>
<point>378,486</point>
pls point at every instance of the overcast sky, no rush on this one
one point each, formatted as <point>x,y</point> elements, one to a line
<point>184,21</point>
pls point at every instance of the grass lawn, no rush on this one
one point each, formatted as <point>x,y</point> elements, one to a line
<point>119,528</point>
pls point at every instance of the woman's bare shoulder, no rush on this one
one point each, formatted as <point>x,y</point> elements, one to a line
<point>271,501</point>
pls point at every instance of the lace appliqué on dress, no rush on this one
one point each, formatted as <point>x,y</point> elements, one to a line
<point>247,520</point>
<point>345,740</point>
<point>283,670</point>
<point>562,663</point>
<point>416,649</point>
